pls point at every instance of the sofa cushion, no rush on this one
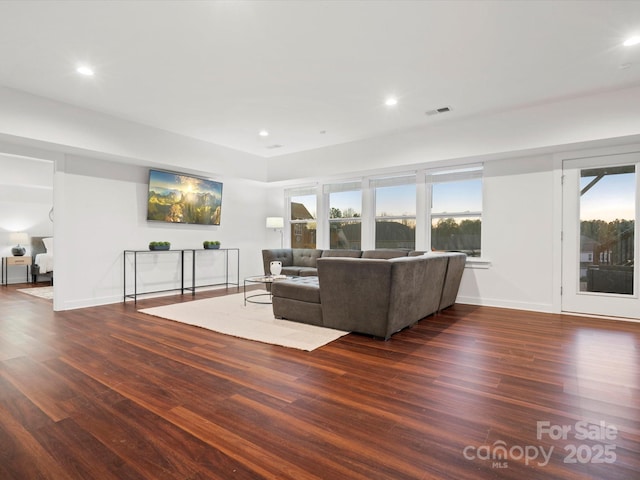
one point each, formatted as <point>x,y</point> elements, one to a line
<point>291,271</point>
<point>304,289</point>
<point>306,257</point>
<point>342,253</point>
<point>299,271</point>
<point>385,253</point>
<point>307,272</point>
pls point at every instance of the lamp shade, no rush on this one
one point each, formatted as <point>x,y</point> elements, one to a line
<point>275,222</point>
<point>19,237</point>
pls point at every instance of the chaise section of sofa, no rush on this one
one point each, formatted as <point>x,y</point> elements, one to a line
<point>298,299</point>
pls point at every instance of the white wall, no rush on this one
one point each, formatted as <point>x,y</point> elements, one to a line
<point>101,211</point>
<point>518,237</point>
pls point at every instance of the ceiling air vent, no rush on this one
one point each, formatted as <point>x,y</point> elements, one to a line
<point>275,145</point>
<point>437,111</point>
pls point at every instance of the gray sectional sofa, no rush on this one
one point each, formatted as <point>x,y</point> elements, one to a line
<point>375,292</point>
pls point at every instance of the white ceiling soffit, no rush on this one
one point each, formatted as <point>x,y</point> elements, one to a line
<point>313,73</point>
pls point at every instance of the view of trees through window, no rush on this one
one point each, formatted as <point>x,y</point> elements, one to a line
<point>607,229</point>
<point>345,220</point>
<point>456,221</point>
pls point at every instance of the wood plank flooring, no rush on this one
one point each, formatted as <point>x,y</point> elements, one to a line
<point>470,393</point>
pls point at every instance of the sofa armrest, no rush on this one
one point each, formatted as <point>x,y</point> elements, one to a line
<point>284,255</point>
<point>355,294</point>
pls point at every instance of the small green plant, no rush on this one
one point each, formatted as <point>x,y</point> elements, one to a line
<point>159,245</point>
<point>210,243</point>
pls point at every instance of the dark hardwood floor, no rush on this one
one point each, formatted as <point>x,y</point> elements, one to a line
<point>470,393</point>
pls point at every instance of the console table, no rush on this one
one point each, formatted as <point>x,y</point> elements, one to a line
<point>180,258</point>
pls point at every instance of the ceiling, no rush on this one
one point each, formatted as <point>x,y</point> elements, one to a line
<point>314,73</point>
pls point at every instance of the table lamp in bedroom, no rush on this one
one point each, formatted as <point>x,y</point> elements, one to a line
<point>19,238</point>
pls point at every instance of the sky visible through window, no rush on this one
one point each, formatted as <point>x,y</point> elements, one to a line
<point>458,197</point>
<point>309,201</point>
<point>400,200</point>
<point>396,201</point>
<point>347,202</point>
<point>611,198</point>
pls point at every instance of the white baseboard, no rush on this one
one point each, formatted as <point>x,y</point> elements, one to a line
<point>108,300</point>
<point>85,303</point>
<point>501,303</point>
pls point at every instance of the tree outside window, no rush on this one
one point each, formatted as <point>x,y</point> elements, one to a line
<point>456,216</point>
<point>345,222</point>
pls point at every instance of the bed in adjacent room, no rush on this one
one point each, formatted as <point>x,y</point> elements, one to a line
<point>42,259</point>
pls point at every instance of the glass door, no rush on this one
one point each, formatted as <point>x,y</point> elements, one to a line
<point>600,238</point>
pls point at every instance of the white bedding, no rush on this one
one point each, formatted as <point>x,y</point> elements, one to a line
<point>45,262</point>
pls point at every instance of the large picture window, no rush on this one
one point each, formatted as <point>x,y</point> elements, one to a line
<point>456,211</point>
<point>395,207</point>
<point>303,219</point>
<point>345,216</point>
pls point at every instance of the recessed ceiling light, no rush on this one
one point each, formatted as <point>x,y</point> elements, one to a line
<point>85,70</point>
<point>263,133</point>
<point>631,41</point>
<point>391,101</point>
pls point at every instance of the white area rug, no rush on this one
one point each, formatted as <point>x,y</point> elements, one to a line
<point>228,315</point>
<point>41,292</point>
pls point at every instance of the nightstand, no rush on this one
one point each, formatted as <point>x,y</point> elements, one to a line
<point>24,261</point>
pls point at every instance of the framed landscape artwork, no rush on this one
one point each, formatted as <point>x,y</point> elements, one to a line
<point>180,198</point>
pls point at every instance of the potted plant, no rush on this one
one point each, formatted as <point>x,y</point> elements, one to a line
<point>209,244</point>
<point>159,245</point>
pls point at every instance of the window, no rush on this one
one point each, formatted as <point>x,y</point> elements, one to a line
<point>456,210</point>
<point>302,205</point>
<point>345,216</point>
<point>395,207</point>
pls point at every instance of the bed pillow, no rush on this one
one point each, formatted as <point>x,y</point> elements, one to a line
<point>48,245</point>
